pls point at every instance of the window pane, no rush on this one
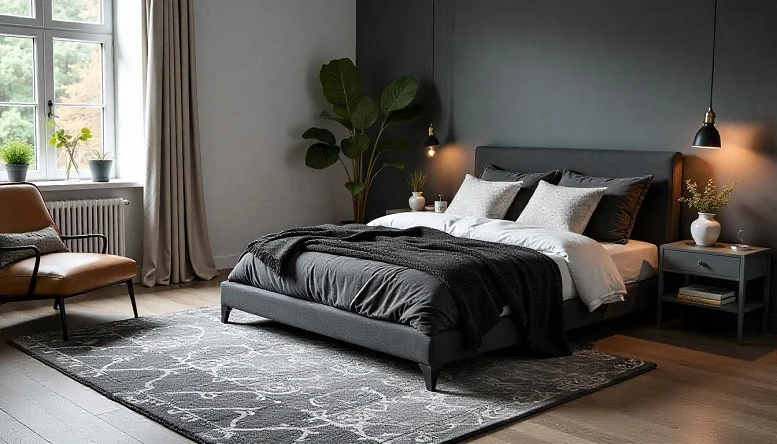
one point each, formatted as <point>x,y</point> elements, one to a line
<point>84,11</point>
<point>19,8</point>
<point>72,119</point>
<point>17,70</point>
<point>17,122</point>
<point>78,71</point>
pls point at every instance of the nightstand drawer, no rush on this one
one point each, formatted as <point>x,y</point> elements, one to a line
<point>700,263</point>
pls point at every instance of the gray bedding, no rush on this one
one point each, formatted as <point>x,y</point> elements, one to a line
<point>368,288</point>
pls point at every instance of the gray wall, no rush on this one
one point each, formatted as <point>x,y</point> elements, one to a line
<point>257,68</point>
<point>607,74</point>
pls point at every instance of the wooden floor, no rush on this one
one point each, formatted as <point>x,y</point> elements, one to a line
<point>706,388</point>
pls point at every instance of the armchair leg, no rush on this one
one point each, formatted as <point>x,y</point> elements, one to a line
<point>225,311</point>
<point>60,301</point>
<point>131,290</point>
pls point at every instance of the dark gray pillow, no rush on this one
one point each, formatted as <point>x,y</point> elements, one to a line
<point>530,182</point>
<point>616,213</point>
<point>47,240</point>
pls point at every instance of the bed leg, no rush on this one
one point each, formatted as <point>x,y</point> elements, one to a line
<point>225,311</point>
<point>430,375</point>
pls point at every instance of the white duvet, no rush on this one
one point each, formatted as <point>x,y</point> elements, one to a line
<point>593,272</point>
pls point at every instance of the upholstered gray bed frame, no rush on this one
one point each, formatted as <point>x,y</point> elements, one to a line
<point>657,222</point>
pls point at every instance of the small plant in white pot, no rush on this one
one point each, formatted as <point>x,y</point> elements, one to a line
<point>705,230</point>
<point>17,155</point>
<point>100,165</point>
<point>417,180</point>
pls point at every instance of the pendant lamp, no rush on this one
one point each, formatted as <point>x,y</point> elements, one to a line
<point>708,136</point>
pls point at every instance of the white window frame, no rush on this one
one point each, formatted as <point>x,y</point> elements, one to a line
<point>44,30</point>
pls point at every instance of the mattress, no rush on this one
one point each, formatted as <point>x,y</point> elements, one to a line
<point>636,261</point>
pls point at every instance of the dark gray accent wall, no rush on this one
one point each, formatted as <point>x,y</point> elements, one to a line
<point>601,74</point>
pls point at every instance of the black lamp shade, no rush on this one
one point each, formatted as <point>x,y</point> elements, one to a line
<point>707,137</point>
<point>431,140</point>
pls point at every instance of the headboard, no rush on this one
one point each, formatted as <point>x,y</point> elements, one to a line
<point>658,219</point>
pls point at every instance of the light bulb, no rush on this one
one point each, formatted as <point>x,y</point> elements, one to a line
<point>431,152</point>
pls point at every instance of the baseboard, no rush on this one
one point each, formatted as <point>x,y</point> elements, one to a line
<point>226,262</point>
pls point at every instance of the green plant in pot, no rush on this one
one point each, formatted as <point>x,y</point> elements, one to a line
<point>417,181</point>
<point>363,152</point>
<point>100,165</point>
<point>17,155</point>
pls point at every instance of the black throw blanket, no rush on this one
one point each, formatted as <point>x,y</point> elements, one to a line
<point>483,277</point>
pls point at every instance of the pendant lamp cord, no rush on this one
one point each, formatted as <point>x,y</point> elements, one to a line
<point>714,38</point>
<point>433,48</point>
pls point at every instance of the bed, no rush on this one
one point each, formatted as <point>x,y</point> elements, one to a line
<point>433,346</point>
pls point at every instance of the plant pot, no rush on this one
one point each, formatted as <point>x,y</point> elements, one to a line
<point>417,201</point>
<point>705,230</point>
<point>16,172</point>
<point>101,170</point>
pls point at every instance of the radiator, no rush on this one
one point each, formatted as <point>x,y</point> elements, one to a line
<point>103,216</point>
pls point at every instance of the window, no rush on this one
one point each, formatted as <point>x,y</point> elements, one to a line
<point>56,56</point>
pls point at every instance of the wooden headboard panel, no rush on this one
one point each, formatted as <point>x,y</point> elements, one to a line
<point>658,220</point>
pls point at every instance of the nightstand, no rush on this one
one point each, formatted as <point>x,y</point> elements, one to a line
<point>408,210</point>
<point>719,262</point>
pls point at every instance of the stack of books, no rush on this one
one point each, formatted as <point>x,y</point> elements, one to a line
<point>705,294</point>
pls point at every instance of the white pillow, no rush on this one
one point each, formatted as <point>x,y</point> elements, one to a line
<point>563,208</point>
<point>481,198</point>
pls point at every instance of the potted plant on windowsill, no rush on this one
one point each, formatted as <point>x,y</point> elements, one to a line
<point>17,155</point>
<point>61,139</point>
<point>100,166</point>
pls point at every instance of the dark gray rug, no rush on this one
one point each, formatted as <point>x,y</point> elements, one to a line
<point>260,382</point>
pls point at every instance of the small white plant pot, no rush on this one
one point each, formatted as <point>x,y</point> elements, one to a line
<point>705,230</point>
<point>417,201</point>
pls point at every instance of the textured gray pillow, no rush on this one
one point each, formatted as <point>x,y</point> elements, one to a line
<point>47,240</point>
<point>530,181</point>
<point>562,208</point>
<point>480,198</point>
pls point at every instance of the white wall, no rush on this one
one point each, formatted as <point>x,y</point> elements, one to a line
<point>257,68</point>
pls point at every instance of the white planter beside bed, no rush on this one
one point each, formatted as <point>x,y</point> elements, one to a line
<point>417,201</point>
<point>705,230</point>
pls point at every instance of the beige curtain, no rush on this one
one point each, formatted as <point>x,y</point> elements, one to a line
<point>176,247</point>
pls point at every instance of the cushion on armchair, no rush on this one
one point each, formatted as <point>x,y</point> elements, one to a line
<point>46,240</point>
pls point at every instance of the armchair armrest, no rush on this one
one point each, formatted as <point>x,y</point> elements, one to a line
<point>88,236</point>
<point>34,277</point>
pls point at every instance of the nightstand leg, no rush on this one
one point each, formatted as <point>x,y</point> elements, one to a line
<point>741,311</point>
<point>660,295</point>
<point>767,297</point>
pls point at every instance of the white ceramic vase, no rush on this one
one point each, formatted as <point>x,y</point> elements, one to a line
<point>417,201</point>
<point>705,230</point>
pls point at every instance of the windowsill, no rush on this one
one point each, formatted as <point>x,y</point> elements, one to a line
<point>62,185</point>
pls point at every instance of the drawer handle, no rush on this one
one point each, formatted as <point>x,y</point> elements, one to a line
<point>702,263</point>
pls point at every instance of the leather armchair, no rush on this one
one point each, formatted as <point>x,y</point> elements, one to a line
<point>54,276</point>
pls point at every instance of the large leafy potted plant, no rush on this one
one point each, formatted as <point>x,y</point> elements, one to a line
<point>17,156</point>
<point>362,152</point>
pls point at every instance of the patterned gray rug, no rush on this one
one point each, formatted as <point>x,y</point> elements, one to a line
<point>259,382</point>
